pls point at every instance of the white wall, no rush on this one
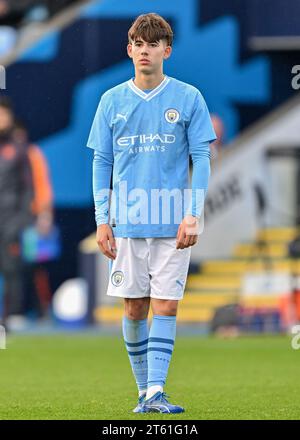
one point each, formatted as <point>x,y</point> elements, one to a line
<point>244,163</point>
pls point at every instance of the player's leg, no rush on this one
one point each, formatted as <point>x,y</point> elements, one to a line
<point>160,349</point>
<point>168,269</point>
<point>135,332</point>
<point>161,343</point>
<point>129,279</point>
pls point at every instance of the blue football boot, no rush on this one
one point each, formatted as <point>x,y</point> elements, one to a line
<point>139,407</point>
<point>159,403</point>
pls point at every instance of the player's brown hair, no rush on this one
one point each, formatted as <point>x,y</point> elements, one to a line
<point>151,28</point>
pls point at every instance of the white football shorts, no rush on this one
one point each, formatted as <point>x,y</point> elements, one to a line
<point>148,267</point>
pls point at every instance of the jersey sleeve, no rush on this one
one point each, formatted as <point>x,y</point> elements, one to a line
<point>100,140</point>
<point>200,128</point>
<point>102,169</point>
<point>200,178</point>
<point>200,134</point>
<point>100,137</point>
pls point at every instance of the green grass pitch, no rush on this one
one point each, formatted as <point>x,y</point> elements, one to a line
<point>89,377</point>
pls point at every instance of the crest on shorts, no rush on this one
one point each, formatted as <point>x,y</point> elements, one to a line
<point>117,278</point>
<point>172,115</point>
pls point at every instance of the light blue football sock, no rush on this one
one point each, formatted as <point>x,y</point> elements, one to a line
<point>135,334</point>
<point>160,348</point>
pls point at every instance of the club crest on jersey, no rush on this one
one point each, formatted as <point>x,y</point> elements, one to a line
<point>117,278</point>
<point>172,115</point>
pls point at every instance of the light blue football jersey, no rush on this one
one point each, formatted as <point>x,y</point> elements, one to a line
<point>144,140</point>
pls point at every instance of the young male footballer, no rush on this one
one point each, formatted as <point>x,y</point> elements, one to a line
<point>143,133</point>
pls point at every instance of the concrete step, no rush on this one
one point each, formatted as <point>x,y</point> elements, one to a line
<point>277,234</point>
<point>114,315</point>
<point>252,250</point>
<point>213,282</point>
<point>240,266</point>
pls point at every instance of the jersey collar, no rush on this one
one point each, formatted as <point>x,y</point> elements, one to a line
<point>150,95</point>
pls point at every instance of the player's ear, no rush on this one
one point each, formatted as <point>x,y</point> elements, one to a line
<point>168,51</point>
<point>129,50</point>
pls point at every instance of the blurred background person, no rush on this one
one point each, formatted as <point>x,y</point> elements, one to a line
<point>294,254</point>
<point>37,290</point>
<point>15,212</point>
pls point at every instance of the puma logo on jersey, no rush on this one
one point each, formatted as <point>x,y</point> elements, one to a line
<point>119,115</point>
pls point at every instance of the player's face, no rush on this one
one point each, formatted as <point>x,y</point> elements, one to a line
<point>148,57</point>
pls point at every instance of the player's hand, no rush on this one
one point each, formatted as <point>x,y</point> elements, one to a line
<point>106,241</point>
<point>187,234</point>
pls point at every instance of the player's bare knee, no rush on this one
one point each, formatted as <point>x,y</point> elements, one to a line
<point>165,307</point>
<point>136,308</point>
